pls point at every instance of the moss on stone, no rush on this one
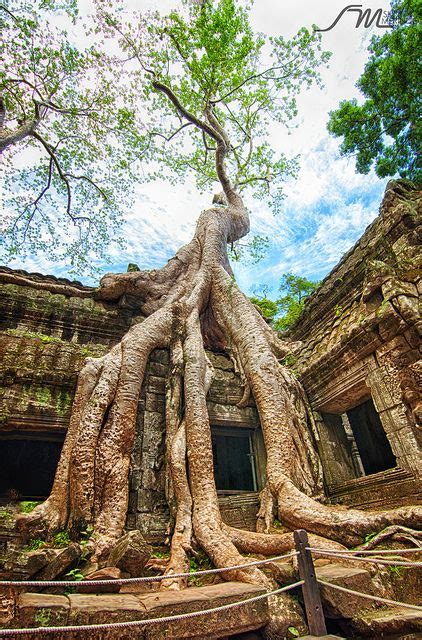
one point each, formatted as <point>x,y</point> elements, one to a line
<point>43,396</point>
<point>20,333</point>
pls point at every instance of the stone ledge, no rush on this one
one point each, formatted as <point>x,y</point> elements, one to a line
<point>33,608</point>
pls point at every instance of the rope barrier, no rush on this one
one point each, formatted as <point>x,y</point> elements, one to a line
<point>148,621</point>
<point>345,554</point>
<point>367,551</point>
<point>171,576</point>
<point>399,563</point>
<point>370,597</point>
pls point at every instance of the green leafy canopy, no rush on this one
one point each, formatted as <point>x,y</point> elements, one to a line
<point>285,311</point>
<point>64,135</point>
<point>385,129</point>
<point>96,113</point>
<point>209,56</point>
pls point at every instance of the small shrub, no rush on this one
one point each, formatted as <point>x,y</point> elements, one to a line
<point>34,544</point>
<point>43,617</point>
<point>6,515</point>
<point>75,574</point>
<point>86,534</point>
<point>160,554</point>
<point>61,539</point>
<point>369,537</point>
<point>26,506</point>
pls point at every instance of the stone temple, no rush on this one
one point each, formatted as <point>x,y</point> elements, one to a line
<point>359,363</point>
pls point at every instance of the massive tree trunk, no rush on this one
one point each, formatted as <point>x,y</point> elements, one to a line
<point>193,295</point>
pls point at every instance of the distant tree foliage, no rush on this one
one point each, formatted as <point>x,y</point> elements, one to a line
<point>385,130</point>
<point>286,310</point>
<point>69,145</point>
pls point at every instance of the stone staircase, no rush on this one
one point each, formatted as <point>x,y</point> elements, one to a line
<point>348,615</point>
<point>359,616</point>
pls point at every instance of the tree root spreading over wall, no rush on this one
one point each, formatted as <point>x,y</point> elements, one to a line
<point>192,296</point>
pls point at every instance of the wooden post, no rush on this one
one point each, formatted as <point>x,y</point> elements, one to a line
<point>310,589</point>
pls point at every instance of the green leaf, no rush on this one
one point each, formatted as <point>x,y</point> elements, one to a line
<point>384,131</point>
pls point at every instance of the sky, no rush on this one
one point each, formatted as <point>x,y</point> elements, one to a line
<point>326,209</point>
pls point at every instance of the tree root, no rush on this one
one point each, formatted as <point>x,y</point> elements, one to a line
<point>81,291</point>
<point>195,290</point>
<point>400,533</point>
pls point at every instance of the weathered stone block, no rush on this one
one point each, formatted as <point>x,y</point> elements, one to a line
<point>42,609</point>
<point>284,612</point>
<point>130,553</point>
<point>89,609</point>
<point>214,625</point>
<point>383,396</point>
<point>107,573</point>
<point>344,605</point>
<point>61,563</point>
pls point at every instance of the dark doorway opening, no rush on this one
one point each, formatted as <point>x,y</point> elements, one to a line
<point>27,467</point>
<point>234,459</point>
<point>372,443</point>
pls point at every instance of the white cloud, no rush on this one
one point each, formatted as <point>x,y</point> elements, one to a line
<point>326,209</point>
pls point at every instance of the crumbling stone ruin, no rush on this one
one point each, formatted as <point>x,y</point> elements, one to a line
<point>359,363</point>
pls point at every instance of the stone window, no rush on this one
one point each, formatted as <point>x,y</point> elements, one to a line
<point>372,444</point>
<point>27,466</point>
<point>356,444</point>
<point>234,459</point>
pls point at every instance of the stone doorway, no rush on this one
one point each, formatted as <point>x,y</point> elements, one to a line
<point>234,460</point>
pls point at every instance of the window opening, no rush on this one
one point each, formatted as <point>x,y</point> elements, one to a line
<point>234,460</point>
<point>27,467</point>
<point>371,441</point>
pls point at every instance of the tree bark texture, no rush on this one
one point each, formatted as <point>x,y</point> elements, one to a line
<point>192,295</point>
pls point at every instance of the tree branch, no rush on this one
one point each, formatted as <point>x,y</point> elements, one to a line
<point>174,134</point>
<point>239,86</point>
<point>65,177</point>
<point>7,137</point>
<point>159,86</point>
<point>2,111</point>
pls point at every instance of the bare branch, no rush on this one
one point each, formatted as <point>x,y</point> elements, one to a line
<point>184,112</point>
<point>94,184</point>
<point>253,77</point>
<point>6,10</point>
<point>62,175</point>
<point>174,134</point>
<point>2,112</point>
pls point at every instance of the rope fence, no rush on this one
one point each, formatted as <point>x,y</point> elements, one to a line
<point>367,551</point>
<point>121,581</point>
<point>309,582</point>
<point>395,603</point>
<point>343,556</point>
<point>148,621</point>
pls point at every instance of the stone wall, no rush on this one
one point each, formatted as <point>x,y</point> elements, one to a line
<point>147,505</point>
<point>360,332</point>
<point>44,341</point>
